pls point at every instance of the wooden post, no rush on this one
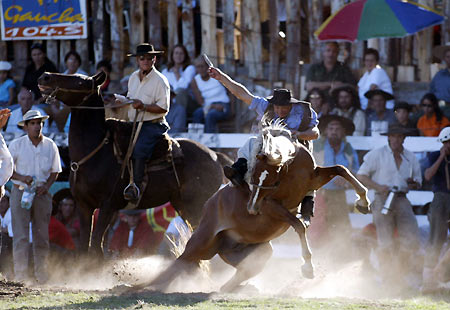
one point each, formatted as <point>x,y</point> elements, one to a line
<point>20,59</point>
<point>82,48</point>
<point>228,32</point>
<point>315,19</point>
<point>209,43</point>
<point>274,42</point>
<point>293,32</point>
<point>424,43</point>
<point>64,48</point>
<point>252,38</point>
<point>3,49</point>
<point>154,23</point>
<point>117,45</point>
<point>446,24</point>
<point>407,50</point>
<point>98,29</point>
<point>187,17</point>
<point>136,23</point>
<point>52,51</point>
<point>172,23</point>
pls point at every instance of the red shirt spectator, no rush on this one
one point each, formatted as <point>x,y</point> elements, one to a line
<point>59,235</point>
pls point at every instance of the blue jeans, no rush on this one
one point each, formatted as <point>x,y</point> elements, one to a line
<point>149,136</point>
<point>212,117</point>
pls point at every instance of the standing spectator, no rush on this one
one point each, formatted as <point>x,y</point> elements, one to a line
<point>382,169</point>
<point>440,84</point>
<point>319,102</point>
<point>25,100</point>
<point>401,111</point>
<point>6,161</point>
<point>37,164</point>
<point>211,96</point>
<point>433,120</point>
<point>329,73</point>
<point>73,63</point>
<point>437,170</point>
<point>105,66</point>
<point>179,73</point>
<point>332,149</point>
<point>348,105</point>
<point>40,64</point>
<point>133,237</point>
<point>378,117</point>
<point>6,85</point>
<point>374,78</point>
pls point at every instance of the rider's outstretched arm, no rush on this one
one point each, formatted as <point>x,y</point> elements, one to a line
<point>237,89</point>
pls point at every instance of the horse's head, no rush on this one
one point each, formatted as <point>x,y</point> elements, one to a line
<point>276,149</point>
<point>73,90</point>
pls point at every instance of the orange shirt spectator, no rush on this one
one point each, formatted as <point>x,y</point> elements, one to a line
<point>433,120</point>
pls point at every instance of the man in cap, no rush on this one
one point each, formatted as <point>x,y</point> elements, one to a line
<point>348,105</point>
<point>440,84</point>
<point>6,161</point>
<point>149,91</point>
<point>392,168</point>
<point>298,116</point>
<point>401,111</point>
<point>7,85</point>
<point>333,149</point>
<point>36,167</point>
<point>378,117</point>
<point>437,170</point>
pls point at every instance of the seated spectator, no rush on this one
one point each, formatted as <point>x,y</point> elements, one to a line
<point>439,85</point>
<point>348,105</point>
<point>433,120</point>
<point>73,63</point>
<point>374,78</point>
<point>40,64</point>
<point>68,216</point>
<point>401,111</point>
<point>59,120</point>
<point>176,118</point>
<point>25,100</point>
<point>329,73</point>
<point>133,237</point>
<point>105,66</point>
<point>318,101</point>
<point>211,96</point>
<point>378,117</point>
<point>179,73</point>
<point>6,85</point>
<point>332,149</point>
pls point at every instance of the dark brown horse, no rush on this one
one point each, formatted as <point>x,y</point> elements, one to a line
<point>282,172</point>
<point>98,183</point>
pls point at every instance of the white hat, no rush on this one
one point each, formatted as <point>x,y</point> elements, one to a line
<point>444,135</point>
<point>32,114</point>
<point>5,66</point>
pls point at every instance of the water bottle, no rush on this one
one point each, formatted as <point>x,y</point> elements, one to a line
<point>388,203</point>
<point>28,195</point>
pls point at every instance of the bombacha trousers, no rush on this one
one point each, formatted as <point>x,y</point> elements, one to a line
<point>39,215</point>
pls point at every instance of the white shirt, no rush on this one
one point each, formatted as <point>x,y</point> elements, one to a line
<point>6,222</point>
<point>153,89</point>
<point>6,162</point>
<point>79,71</point>
<point>185,79</point>
<point>379,165</point>
<point>379,77</point>
<point>17,116</point>
<point>36,161</point>
<point>211,91</point>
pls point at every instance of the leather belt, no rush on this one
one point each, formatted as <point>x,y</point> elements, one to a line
<point>400,194</point>
<point>154,121</point>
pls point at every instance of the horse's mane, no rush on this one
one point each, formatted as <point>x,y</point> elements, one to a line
<point>276,142</point>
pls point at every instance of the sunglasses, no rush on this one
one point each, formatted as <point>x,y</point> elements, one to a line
<point>426,105</point>
<point>142,58</point>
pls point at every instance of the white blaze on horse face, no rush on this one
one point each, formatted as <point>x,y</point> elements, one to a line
<point>262,177</point>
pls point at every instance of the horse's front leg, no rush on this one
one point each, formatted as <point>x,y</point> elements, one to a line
<point>324,174</point>
<point>104,218</point>
<point>275,210</point>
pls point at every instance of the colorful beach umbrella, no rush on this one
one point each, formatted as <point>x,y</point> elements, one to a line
<point>366,19</point>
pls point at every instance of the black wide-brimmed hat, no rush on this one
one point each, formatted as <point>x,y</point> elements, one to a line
<point>345,122</point>
<point>282,96</point>
<point>402,105</point>
<point>144,49</point>
<point>387,96</point>
<point>397,129</point>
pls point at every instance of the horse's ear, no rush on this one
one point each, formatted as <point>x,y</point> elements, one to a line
<point>261,156</point>
<point>99,78</point>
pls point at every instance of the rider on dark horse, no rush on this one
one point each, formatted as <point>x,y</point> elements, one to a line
<point>149,91</point>
<point>298,116</point>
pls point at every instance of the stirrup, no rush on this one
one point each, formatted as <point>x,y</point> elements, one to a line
<point>131,187</point>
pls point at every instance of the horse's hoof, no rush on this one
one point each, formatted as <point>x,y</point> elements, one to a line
<point>240,289</point>
<point>308,271</point>
<point>364,209</point>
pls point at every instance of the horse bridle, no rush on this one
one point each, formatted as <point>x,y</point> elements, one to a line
<point>89,92</point>
<point>274,186</point>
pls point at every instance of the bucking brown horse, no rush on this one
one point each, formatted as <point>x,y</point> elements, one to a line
<point>238,223</point>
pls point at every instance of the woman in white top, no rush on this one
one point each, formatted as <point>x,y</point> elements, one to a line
<point>6,161</point>
<point>211,95</point>
<point>73,63</point>
<point>374,78</point>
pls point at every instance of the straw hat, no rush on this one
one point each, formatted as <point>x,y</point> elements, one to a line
<point>5,66</point>
<point>32,114</point>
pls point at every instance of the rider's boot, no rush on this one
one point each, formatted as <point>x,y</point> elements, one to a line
<point>132,193</point>
<point>236,172</point>
<point>307,210</point>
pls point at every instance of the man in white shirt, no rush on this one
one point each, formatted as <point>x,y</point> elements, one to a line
<point>36,167</point>
<point>6,162</point>
<point>150,92</point>
<point>393,168</point>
